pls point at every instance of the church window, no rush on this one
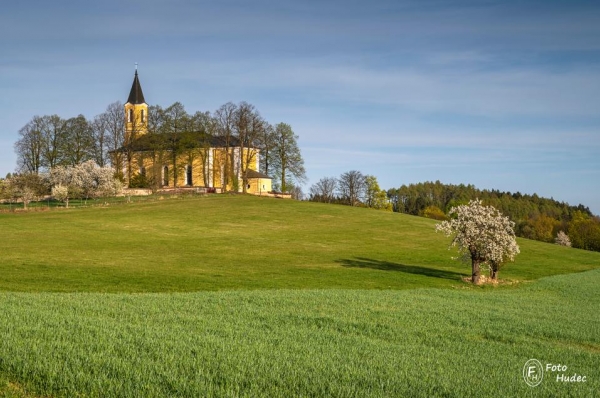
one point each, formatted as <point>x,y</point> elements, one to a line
<point>130,116</point>
<point>143,171</point>
<point>142,115</point>
<point>166,176</point>
<point>188,175</point>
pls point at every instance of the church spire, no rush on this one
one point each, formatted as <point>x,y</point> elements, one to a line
<point>136,96</point>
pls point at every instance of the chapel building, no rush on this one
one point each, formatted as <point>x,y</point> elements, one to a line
<point>190,159</point>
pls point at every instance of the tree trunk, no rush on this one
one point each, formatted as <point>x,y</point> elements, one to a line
<point>475,263</point>
<point>494,274</point>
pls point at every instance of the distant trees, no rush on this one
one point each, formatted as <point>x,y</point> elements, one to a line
<point>535,217</point>
<point>352,188</point>
<point>482,235</point>
<point>375,197</point>
<point>25,187</point>
<point>324,190</point>
<point>86,180</point>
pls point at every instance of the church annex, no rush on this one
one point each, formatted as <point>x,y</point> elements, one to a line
<point>185,159</point>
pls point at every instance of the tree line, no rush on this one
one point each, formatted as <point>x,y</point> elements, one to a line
<point>351,188</point>
<point>86,181</point>
<point>535,217</point>
<point>49,141</point>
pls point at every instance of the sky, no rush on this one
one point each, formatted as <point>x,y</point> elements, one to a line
<point>499,94</point>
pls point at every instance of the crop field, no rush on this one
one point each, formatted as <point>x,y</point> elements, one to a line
<point>242,296</point>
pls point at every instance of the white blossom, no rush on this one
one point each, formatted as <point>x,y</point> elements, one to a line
<point>61,192</point>
<point>86,180</point>
<point>481,234</point>
<point>562,239</point>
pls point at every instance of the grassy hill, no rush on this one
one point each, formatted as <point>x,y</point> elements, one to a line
<point>244,296</point>
<point>240,242</point>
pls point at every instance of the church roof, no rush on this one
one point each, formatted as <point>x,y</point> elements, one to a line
<point>255,174</point>
<point>136,96</point>
<point>186,140</point>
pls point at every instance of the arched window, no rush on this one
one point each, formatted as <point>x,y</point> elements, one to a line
<point>143,171</point>
<point>166,176</point>
<point>188,176</point>
<point>142,115</point>
<point>130,116</point>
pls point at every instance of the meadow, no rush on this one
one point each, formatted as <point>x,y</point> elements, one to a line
<point>242,296</point>
<point>237,242</point>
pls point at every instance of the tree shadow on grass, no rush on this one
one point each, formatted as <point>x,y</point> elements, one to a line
<point>361,262</point>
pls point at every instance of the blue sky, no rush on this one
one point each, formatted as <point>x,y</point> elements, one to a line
<point>502,95</point>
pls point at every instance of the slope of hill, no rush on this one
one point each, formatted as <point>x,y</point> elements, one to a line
<point>240,242</point>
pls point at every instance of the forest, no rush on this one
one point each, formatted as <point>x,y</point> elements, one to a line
<point>535,217</point>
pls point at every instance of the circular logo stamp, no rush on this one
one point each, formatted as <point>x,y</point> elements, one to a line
<point>533,372</point>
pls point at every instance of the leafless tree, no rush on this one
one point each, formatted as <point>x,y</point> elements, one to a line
<point>324,190</point>
<point>29,146</point>
<point>54,135</point>
<point>267,147</point>
<point>351,186</point>
<point>80,139</point>
<point>225,118</point>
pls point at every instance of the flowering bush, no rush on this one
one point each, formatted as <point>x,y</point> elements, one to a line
<point>86,180</point>
<point>61,192</point>
<point>562,239</point>
<point>481,234</point>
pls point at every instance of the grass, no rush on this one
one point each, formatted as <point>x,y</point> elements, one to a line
<point>243,296</point>
<point>350,343</point>
<point>237,242</point>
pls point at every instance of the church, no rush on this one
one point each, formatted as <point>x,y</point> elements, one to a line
<point>193,159</point>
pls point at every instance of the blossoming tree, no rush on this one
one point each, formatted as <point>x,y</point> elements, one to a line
<point>84,180</point>
<point>482,235</point>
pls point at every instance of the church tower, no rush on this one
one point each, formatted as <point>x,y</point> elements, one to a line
<point>136,111</point>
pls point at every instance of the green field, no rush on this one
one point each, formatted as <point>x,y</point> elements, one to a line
<point>238,242</point>
<point>242,296</point>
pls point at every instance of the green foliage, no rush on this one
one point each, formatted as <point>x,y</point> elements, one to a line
<point>375,197</point>
<point>338,343</point>
<point>536,218</point>
<point>141,181</point>
<point>434,213</point>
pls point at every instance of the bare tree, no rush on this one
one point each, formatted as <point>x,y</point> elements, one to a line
<point>29,146</point>
<point>323,190</point>
<point>100,141</point>
<point>205,126</point>
<point>267,147</point>
<point>80,139</point>
<point>351,186</point>
<point>225,117</point>
<point>249,127</point>
<point>113,122</point>
<point>54,140</point>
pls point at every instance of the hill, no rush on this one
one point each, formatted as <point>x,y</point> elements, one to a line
<point>241,242</point>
